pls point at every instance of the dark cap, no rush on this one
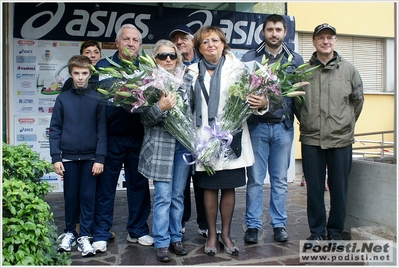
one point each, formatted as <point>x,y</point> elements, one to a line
<point>323,26</point>
<point>181,28</point>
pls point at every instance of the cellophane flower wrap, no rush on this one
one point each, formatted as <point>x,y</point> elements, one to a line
<point>283,79</point>
<point>178,120</point>
<point>124,84</point>
<point>244,81</point>
<point>275,80</point>
<point>134,87</point>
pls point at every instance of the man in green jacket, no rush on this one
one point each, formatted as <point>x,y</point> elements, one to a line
<point>327,116</point>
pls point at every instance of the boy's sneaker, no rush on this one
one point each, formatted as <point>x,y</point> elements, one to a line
<point>100,246</point>
<point>85,247</point>
<point>67,242</point>
<point>144,240</point>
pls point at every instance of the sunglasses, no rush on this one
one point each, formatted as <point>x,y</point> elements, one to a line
<point>163,56</point>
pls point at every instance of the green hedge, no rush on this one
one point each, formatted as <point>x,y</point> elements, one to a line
<point>29,232</point>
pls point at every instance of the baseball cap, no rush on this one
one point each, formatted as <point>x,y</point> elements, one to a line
<point>323,26</point>
<point>181,28</point>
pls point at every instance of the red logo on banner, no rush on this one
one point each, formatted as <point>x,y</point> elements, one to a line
<point>26,42</point>
<point>26,120</point>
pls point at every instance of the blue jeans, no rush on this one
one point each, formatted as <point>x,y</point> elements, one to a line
<point>168,202</point>
<point>272,149</point>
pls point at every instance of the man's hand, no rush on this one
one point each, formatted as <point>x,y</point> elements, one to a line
<point>97,169</point>
<point>257,102</point>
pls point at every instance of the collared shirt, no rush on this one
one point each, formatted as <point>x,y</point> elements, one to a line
<point>195,59</point>
<point>271,57</point>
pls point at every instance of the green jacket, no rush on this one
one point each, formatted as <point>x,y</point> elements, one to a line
<point>332,104</point>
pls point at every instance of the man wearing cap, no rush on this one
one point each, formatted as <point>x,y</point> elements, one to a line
<point>182,37</point>
<point>327,116</point>
<point>272,135</point>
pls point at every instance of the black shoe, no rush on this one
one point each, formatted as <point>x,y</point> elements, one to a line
<point>317,238</point>
<point>163,254</point>
<point>336,240</point>
<point>280,234</point>
<point>251,236</point>
<point>178,248</point>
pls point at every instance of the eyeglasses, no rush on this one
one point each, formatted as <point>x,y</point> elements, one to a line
<point>176,39</point>
<point>321,39</point>
<point>163,56</point>
<point>206,42</point>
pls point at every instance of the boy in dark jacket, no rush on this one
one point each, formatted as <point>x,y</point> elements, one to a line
<point>78,147</point>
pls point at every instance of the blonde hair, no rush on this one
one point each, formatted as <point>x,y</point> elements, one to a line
<point>164,42</point>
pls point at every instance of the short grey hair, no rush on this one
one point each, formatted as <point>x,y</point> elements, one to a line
<point>131,26</point>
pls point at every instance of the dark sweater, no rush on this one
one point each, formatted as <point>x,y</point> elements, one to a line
<point>78,128</point>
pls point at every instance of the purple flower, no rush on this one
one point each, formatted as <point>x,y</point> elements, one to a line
<point>256,81</point>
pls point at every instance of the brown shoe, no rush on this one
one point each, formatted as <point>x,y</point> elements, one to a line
<point>113,235</point>
<point>163,254</point>
<point>178,248</point>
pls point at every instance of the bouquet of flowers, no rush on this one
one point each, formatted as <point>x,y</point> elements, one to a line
<point>283,80</point>
<point>235,113</point>
<point>178,121</point>
<point>122,85</point>
<point>269,79</point>
<point>134,87</point>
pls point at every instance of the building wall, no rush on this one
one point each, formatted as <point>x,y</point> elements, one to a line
<point>354,18</point>
<point>376,19</point>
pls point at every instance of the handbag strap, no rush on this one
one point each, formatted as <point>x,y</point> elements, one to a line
<point>201,82</point>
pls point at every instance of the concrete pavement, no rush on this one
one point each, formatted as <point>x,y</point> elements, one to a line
<point>265,253</point>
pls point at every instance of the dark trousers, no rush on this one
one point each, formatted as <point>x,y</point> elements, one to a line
<point>199,202</point>
<point>314,162</point>
<point>79,196</point>
<point>122,152</point>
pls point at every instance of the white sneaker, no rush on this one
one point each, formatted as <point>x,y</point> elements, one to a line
<point>145,240</point>
<point>100,246</point>
<point>85,247</point>
<point>67,242</point>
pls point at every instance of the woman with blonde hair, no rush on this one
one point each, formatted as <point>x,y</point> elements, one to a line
<point>161,160</point>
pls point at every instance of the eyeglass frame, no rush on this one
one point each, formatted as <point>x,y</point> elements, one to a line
<point>163,56</point>
<point>184,38</point>
<point>214,40</point>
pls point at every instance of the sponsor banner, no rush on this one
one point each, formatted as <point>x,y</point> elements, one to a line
<point>82,21</point>
<point>33,130</point>
<point>353,251</point>
<point>55,181</point>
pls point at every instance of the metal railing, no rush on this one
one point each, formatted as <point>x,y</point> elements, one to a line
<point>379,147</point>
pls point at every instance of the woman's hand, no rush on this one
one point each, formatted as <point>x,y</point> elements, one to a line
<point>166,102</point>
<point>257,102</point>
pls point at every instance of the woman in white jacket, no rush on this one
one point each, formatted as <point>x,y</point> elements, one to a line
<point>217,65</point>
